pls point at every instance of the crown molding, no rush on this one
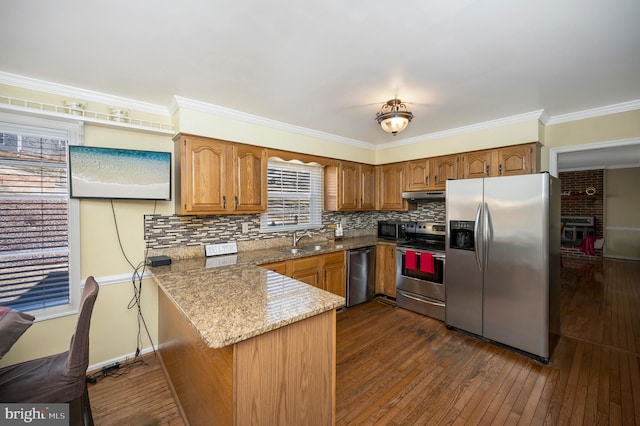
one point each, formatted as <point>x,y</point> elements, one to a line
<point>533,115</point>
<point>180,102</point>
<point>78,93</point>
<point>595,112</point>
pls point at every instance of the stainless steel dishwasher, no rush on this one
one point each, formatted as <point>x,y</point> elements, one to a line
<point>361,275</point>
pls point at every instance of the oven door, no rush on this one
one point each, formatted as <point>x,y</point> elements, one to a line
<point>412,278</point>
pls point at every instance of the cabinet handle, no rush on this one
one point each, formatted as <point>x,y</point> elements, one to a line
<point>436,179</point>
<point>236,199</point>
<point>224,201</point>
<point>500,170</point>
<point>426,181</point>
<point>486,167</point>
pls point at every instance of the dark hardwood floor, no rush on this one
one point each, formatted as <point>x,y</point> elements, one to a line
<point>396,367</point>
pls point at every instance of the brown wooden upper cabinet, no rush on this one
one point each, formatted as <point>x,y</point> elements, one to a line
<point>507,161</point>
<point>516,160</point>
<point>417,175</point>
<point>430,173</point>
<point>476,164</point>
<point>390,185</point>
<point>219,177</point>
<point>349,186</point>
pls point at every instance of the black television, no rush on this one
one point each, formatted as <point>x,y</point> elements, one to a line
<point>97,172</point>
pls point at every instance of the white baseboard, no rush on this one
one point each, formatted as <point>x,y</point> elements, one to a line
<point>622,257</point>
<point>121,359</point>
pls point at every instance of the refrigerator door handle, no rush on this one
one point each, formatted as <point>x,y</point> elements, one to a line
<point>475,236</point>
<point>487,234</point>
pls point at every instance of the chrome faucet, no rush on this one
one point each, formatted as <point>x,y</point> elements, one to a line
<point>295,239</point>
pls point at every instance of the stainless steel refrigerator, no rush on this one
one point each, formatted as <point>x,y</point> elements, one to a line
<point>502,273</point>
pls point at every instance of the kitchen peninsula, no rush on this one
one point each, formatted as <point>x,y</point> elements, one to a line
<point>245,345</point>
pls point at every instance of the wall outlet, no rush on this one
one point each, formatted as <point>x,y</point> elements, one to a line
<point>245,227</point>
<point>343,221</point>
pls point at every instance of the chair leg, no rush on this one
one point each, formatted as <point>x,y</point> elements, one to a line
<point>86,408</point>
<point>80,410</point>
<point>75,412</point>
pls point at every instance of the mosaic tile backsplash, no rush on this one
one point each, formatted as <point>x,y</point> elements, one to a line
<point>163,232</point>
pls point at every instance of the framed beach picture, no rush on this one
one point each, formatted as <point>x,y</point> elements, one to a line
<point>119,173</point>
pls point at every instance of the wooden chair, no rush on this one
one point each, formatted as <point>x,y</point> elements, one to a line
<point>57,378</point>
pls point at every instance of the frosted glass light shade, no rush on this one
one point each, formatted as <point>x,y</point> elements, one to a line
<point>394,124</point>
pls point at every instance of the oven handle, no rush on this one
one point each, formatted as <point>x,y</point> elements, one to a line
<point>423,300</point>
<point>435,256</point>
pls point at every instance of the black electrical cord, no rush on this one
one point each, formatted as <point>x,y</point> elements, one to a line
<point>136,278</point>
<point>115,370</point>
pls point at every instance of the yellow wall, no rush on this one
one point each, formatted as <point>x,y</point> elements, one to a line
<point>204,124</point>
<point>510,134</point>
<point>625,125</point>
<point>622,204</point>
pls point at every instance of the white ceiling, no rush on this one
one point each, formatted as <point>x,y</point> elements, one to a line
<point>329,65</point>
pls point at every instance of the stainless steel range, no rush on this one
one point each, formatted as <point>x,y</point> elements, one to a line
<point>420,265</point>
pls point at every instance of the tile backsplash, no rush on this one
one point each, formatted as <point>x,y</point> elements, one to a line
<point>162,232</point>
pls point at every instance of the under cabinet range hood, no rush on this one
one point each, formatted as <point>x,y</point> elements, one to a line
<point>419,196</point>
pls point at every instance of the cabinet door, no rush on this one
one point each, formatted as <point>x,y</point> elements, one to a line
<point>249,179</point>
<point>476,164</point>
<point>390,184</point>
<point>279,267</point>
<point>306,270</point>
<point>516,160</point>
<point>367,187</point>
<point>441,169</point>
<point>417,175</point>
<point>386,269</point>
<point>348,186</point>
<point>203,176</point>
<point>334,274</point>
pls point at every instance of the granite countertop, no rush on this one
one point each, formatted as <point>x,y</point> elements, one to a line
<point>228,303</point>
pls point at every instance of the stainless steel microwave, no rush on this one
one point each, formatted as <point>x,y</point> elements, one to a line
<point>392,230</point>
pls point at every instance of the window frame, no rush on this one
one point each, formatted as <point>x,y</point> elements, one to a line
<point>316,198</point>
<point>73,131</point>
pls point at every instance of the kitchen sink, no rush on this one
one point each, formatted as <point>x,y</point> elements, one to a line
<point>313,248</point>
<point>296,250</point>
<point>291,250</point>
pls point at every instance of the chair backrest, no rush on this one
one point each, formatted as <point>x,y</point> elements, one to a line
<point>78,359</point>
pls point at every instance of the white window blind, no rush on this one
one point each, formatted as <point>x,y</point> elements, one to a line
<point>34,219</point>
<point>295,197</point>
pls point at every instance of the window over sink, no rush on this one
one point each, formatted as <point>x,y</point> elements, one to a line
<point>295,195</point>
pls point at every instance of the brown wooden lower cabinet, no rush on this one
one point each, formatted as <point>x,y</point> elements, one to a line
<point>285,376</point>
<point>386,269</point>
<point>325,271</point>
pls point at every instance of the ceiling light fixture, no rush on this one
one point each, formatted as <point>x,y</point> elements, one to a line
<point>394,117</point>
